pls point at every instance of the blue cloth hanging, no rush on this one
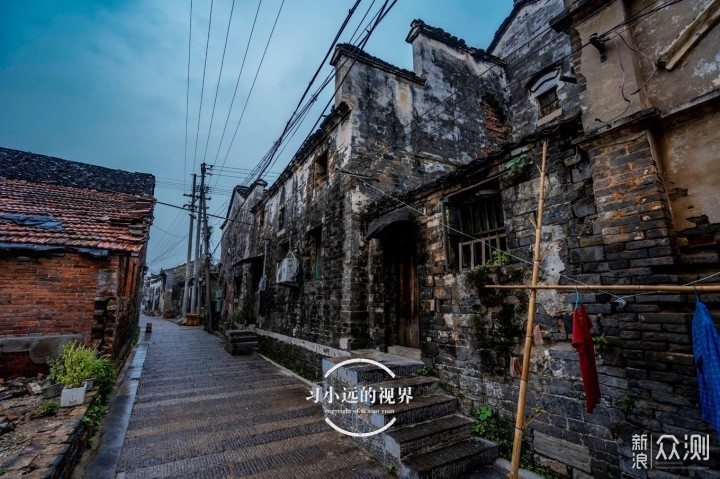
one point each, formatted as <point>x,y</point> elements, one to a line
<point>706,346</point>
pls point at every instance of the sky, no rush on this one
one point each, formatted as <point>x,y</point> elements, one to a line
<point>106,82</point>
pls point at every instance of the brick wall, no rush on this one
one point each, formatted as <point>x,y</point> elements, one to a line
<point>68,294</point>
<point>52,294</point>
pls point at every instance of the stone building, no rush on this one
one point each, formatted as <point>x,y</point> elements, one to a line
<point>417,217</point>
<point>73,239</point>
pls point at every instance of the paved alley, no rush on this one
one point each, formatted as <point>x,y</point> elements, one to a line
<point>200,412</point>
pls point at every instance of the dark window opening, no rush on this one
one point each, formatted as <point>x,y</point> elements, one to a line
<point>261,218</point>
<point>320,169</point>
<point>281,218</point>
<point>315,243</point>
<point>476,230</point>
<point>548,102</point>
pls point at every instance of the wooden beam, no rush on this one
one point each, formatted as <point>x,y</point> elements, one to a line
<point>692,34</point>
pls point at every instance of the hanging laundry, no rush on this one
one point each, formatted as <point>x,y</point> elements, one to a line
<point>706,346</point>
<point>537,336</point>
<point>582,341</point>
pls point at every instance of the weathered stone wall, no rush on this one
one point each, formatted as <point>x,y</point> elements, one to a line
<point>607,221</point>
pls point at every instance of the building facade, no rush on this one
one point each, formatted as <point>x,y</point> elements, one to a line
<point>398,212</point>
<point>73,239</point>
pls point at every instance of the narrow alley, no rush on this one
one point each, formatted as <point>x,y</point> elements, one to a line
<point>207,414</point>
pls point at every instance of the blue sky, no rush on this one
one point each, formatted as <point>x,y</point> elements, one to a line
<point>104,81</point>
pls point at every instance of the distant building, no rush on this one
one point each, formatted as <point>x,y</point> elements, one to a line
<point>73,239</point>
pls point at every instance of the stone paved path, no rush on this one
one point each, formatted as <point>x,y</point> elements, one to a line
<point>200,412</point>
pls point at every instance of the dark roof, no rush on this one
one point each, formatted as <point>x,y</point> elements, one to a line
<point>243,192</point>
<point>418,26</point>
<point>35,168</point>
<point>364,57</point>
<point>39,214</point>
<point>519,5</point>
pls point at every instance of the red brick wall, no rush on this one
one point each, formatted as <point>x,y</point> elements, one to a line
<point>48,295</point>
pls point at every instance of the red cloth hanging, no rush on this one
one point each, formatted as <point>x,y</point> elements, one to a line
<point>582,341</point>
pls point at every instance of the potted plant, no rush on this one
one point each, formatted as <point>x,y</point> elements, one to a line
<point>77,363</point>
<point>53,387</point>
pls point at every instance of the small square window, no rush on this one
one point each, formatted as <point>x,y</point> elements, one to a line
<point>548,102</point>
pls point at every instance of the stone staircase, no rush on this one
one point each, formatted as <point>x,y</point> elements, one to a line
<point>430,437</point>
<point>241,342</point>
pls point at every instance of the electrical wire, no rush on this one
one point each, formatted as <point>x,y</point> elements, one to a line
<point>237,82</point>
<point>187,96</point>
<point>217,87</point>
<point>202,88</point>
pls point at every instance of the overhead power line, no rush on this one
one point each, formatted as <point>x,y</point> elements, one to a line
<point>202,88</point>
<point>187,95</point>
<point>217,87</point>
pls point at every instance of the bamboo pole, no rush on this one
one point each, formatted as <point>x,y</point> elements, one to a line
<point>619,287</point>
<point>520,416</point>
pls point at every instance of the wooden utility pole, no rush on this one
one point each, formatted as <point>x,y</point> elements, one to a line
<point>188,270</point>
<point>195,300</point>
<point>206,235</point>
<point>520,415</point>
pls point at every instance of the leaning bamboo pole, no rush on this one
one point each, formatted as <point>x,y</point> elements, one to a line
<point>520,416</point>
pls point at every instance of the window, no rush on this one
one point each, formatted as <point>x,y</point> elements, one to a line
<point>477,227</point>
<point>261,218</point>
<point>543,89</point>
<point>315,243</point>
<point>281,218</point>
<point>320,169</point>
<point>548,102</point>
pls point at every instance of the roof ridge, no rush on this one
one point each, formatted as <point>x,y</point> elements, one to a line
<point>419,26</point>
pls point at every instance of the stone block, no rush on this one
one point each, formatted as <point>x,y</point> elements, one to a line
<point>569,453</point>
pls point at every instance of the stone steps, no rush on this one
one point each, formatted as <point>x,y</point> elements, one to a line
<point>241,342</point>
<point>419,409</point>
<point>430,437</point>
<point>420,437</point>
<point>450,461</point>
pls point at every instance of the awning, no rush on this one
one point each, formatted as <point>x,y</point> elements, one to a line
<point>249,259</point>
<point>402,215</point>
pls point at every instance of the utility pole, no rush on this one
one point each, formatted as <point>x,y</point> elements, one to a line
<point>206,235</point>
<point>188,270</point>
<point>194,303</point>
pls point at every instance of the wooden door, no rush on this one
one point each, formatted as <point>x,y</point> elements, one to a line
<point>407,295</point>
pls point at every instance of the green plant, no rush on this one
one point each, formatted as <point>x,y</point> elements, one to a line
<point>77,363</point>
<point>390,468</point>
<point>55,370</point>
<point>423,371</point>
<point>136,335</point>
<point>50,409</point>
<point>516,166</point>
<point>94,415</point>
<point>3,471</point>
<point>627,404</point>
<point>499,257</point>
<point>600,342</point>
<point>491,426</point>
<point>90,441</point>
<point>103,371</point>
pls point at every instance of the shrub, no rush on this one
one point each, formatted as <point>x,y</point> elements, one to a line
<point>76,364</point>
<point>104,373</point>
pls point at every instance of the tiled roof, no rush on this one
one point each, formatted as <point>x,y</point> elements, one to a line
<point>40,214</point>
<point>418,26</point>
<point>23,165</point>
<point>362,56</point>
